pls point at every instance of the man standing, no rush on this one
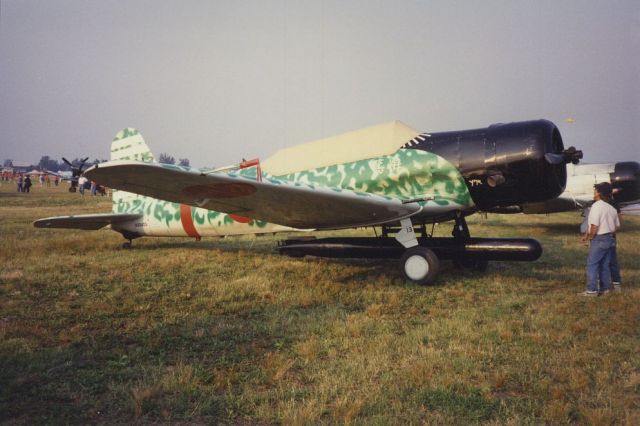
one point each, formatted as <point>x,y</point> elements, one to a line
<point>26,186</point>
<point>82,181</point>
<point>602,225</point>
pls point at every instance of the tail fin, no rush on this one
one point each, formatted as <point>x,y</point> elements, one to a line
<point>128,145</point>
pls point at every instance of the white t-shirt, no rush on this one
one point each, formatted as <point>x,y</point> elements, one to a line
<point>604,216</point>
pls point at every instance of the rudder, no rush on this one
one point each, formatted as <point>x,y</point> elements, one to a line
<point>128,144</point>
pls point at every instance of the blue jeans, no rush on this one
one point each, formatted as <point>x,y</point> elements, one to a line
<point>598,262</point>
<point>615,269</point>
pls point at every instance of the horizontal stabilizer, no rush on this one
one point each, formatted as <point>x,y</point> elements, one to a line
<point>85,221</point>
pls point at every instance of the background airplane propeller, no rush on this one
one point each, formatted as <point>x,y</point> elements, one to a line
<point>76,171</point>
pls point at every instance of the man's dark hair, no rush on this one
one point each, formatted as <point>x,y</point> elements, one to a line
<point>604,188</point>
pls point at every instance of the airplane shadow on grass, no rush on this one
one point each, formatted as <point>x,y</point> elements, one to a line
<point>370,270</point>
<point>549,268</point>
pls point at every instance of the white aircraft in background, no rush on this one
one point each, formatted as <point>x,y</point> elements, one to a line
<point>578,194</point>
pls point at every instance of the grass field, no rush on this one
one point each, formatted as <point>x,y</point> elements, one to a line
<point>227,331</point>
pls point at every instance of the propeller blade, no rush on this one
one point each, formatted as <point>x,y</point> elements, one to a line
<point>78,171</point>
<point>67,161</point>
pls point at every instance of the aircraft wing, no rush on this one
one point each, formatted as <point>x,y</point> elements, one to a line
<point>285,203</point>
<point>85,221</point>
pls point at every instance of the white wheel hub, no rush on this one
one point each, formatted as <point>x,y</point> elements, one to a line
<point>416,267</point>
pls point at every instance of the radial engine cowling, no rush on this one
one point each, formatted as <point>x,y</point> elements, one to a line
<point>626,182</point>
<point>507,164</point>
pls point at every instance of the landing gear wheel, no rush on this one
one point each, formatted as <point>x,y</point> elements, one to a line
<point>420,265</point>
<point>126,245</point>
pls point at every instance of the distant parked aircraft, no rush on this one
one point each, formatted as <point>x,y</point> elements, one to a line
<point>578,194</point>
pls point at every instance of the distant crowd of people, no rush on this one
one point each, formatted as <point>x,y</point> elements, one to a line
<point>24,182</point>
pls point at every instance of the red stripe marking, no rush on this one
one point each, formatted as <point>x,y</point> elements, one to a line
<point>187,221</point>
<point>240,219</point>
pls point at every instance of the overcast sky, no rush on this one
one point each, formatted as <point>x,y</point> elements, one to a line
<point>215,81</point>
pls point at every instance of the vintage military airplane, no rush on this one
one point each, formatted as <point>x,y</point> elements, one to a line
<point>389,175</point>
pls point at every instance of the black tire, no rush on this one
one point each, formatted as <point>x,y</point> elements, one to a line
<point>420,265</point>
<point>126,245</point>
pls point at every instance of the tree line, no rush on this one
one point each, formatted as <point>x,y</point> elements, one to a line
<point>168,159</point>
<point>48,163</point>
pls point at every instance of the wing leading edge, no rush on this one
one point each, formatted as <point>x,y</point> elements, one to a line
<point>87,222</point>
<point>296,205</point>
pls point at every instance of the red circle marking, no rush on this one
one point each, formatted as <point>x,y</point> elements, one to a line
<point>220,190</point>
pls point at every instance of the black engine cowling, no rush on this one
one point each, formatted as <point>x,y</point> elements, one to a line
<point>506,164</point>
<point>626,182</point>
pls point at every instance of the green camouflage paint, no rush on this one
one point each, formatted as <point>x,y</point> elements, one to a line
<point>406,174</point>
<point>164,211</point>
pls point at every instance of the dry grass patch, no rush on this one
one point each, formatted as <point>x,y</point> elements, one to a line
<point>226,331</point>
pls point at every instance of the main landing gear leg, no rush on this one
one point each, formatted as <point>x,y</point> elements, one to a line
<point>461,233</point>
<point>418,264</point>
<point>460,229</point>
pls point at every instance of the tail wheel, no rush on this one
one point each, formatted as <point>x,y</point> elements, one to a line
<point>420,265</point>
